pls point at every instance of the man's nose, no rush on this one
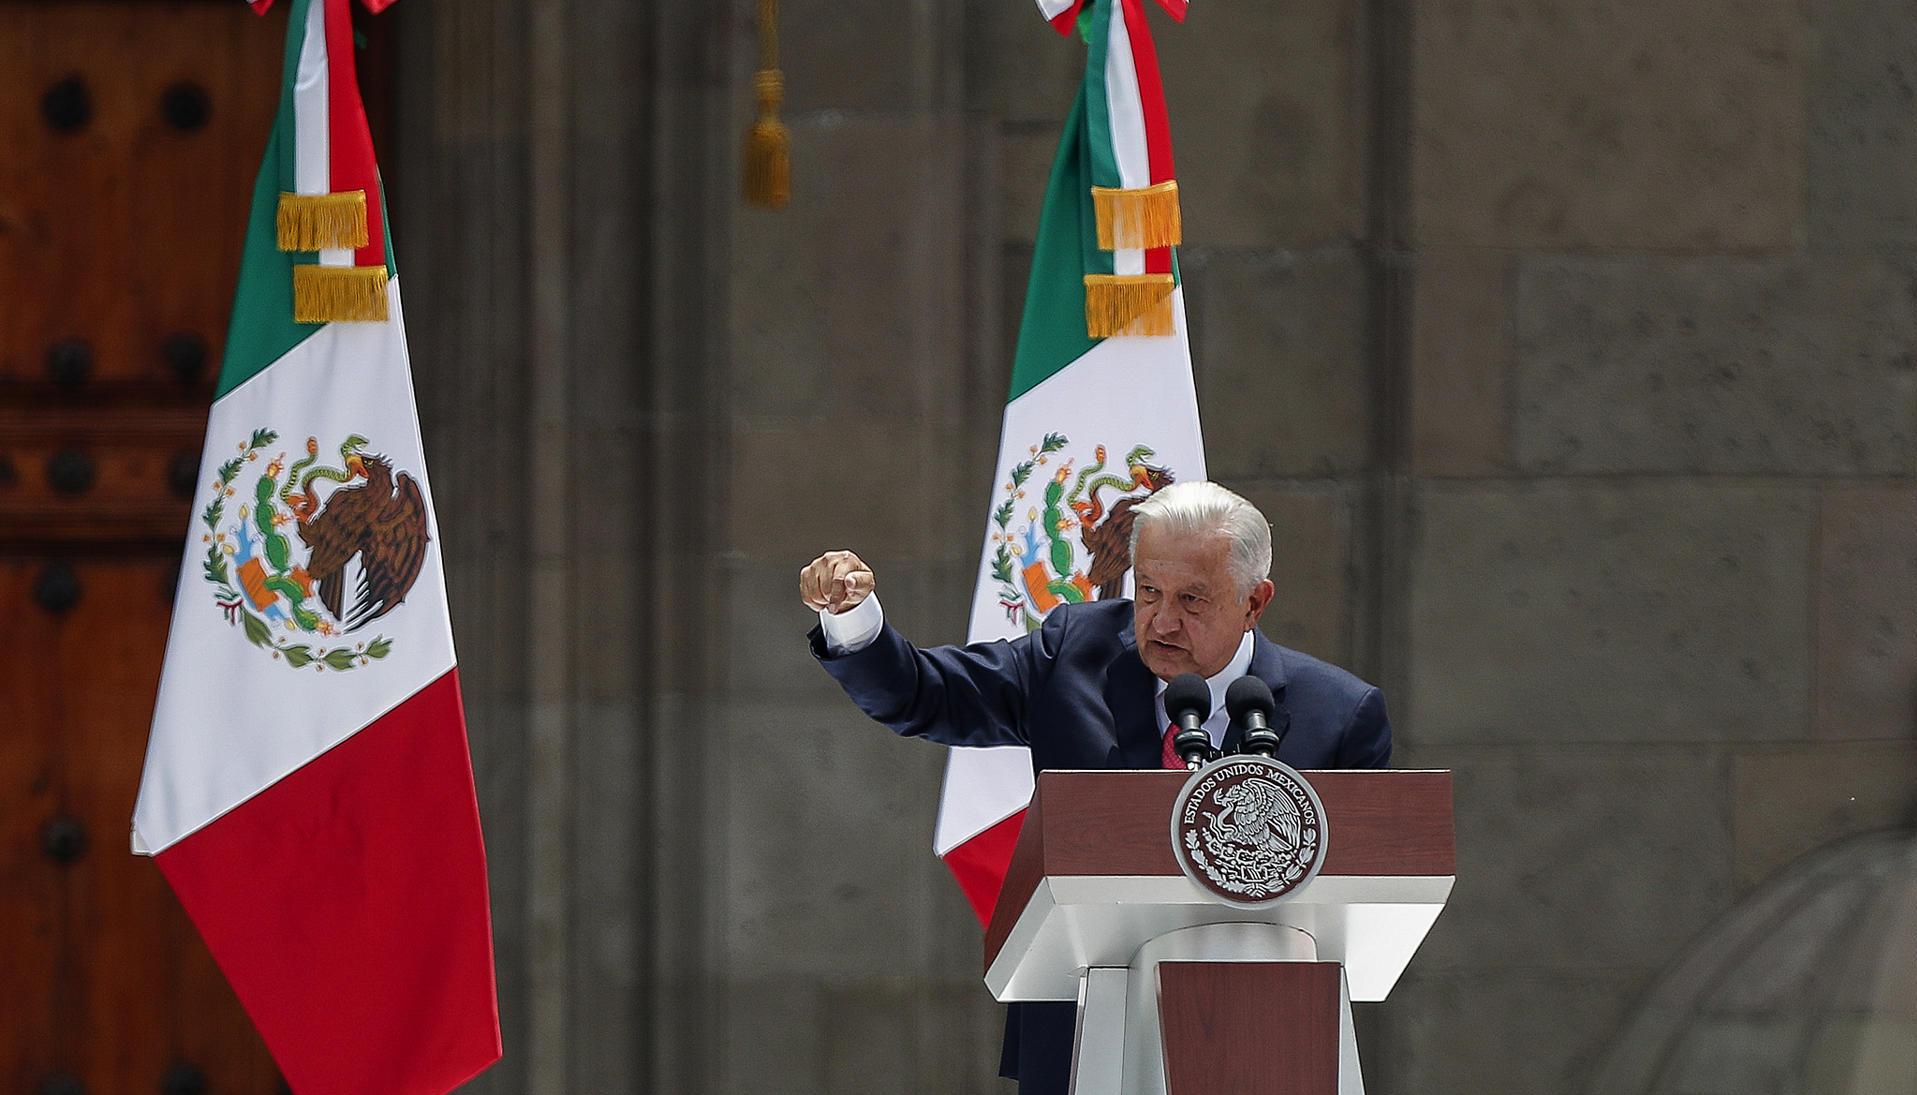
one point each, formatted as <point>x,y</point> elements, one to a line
<point>1166,621</point>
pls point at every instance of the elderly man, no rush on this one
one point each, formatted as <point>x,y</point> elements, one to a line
<point>1086,690</point>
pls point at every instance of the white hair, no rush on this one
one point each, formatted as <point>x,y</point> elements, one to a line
<point>1196,508</point>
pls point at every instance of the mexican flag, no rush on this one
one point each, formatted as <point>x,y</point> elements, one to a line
<point>1101,413</point>
<point>308,792</point>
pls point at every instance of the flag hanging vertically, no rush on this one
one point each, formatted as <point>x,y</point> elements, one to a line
<point>308,791</point>
<point>1102,411</point>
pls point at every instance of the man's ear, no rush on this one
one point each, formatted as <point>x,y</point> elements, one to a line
<point>1260,597</point>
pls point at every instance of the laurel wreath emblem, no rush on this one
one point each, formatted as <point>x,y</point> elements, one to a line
<point>1254,872</point>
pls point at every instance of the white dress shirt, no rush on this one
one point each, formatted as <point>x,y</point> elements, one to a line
<point>854,629</point>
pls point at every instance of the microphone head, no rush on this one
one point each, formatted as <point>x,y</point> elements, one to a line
<point>1246,694</point>
<point>1188,692</point>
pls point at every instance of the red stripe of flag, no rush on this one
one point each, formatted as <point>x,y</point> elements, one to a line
<point>1066,20</point>
<point>980,863</point>
<point>347,906</point>
<point>1151,99</point>
<point>349,139</point>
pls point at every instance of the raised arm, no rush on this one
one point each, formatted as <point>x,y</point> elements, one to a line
<point>955,695</point>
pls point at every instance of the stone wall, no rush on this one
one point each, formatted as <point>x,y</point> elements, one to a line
<point>1663,411</point>
<point>1571,354</point>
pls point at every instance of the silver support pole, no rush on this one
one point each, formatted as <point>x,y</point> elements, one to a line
<point>1351,1079</point>
<point>1098,1055</point>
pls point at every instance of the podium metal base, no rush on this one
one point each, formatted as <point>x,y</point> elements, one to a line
<point>1120,1047</point>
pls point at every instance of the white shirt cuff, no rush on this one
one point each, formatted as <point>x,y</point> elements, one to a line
<point>854,629</point>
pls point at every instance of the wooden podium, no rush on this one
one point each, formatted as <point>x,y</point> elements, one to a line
<point>1180,993</point>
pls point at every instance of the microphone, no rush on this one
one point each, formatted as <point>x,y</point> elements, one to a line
<point>1250,702</point>
<point>1188,702</point>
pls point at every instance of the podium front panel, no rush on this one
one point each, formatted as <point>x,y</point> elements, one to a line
<point>1094,878</point>
<point>1249,1028</point>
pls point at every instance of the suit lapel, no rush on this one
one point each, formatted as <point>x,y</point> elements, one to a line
<point>1130,692</point>
<point>1268,666</point>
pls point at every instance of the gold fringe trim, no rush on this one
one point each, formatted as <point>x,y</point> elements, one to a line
<point>334,294</point>
<point>768,150</point>
<point>767,170</point>
<point>1128,304</point>
<point>316,222</point>
<point>1138,218</point>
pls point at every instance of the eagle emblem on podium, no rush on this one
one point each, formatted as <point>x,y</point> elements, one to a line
<point>303,555</point>
<point>1249,829</point>
<point>1074,542</point>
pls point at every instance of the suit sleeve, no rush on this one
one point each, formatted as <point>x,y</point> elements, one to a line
<point>955,695</point>
<point>1366,742</point>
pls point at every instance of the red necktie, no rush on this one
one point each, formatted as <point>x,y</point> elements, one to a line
<point>1171,758</point>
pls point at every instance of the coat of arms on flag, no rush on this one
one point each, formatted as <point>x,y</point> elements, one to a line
<point>281,560</point>
<point>1074,544</point>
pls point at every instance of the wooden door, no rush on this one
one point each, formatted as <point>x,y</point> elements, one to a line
<point>130,131</point>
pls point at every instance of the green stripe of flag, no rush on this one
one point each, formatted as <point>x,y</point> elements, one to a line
<point>1052,333</point>
<point>262,329</point>
<point>1097,99</point>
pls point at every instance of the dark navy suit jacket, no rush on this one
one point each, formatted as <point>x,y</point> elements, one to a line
<point>1076,693</point>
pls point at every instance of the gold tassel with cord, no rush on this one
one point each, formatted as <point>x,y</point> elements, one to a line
<point>317,222</point>
<point>1128,304</point>
<point>1138,218</point>
<point>335,294</point>
<point>768,150</point>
